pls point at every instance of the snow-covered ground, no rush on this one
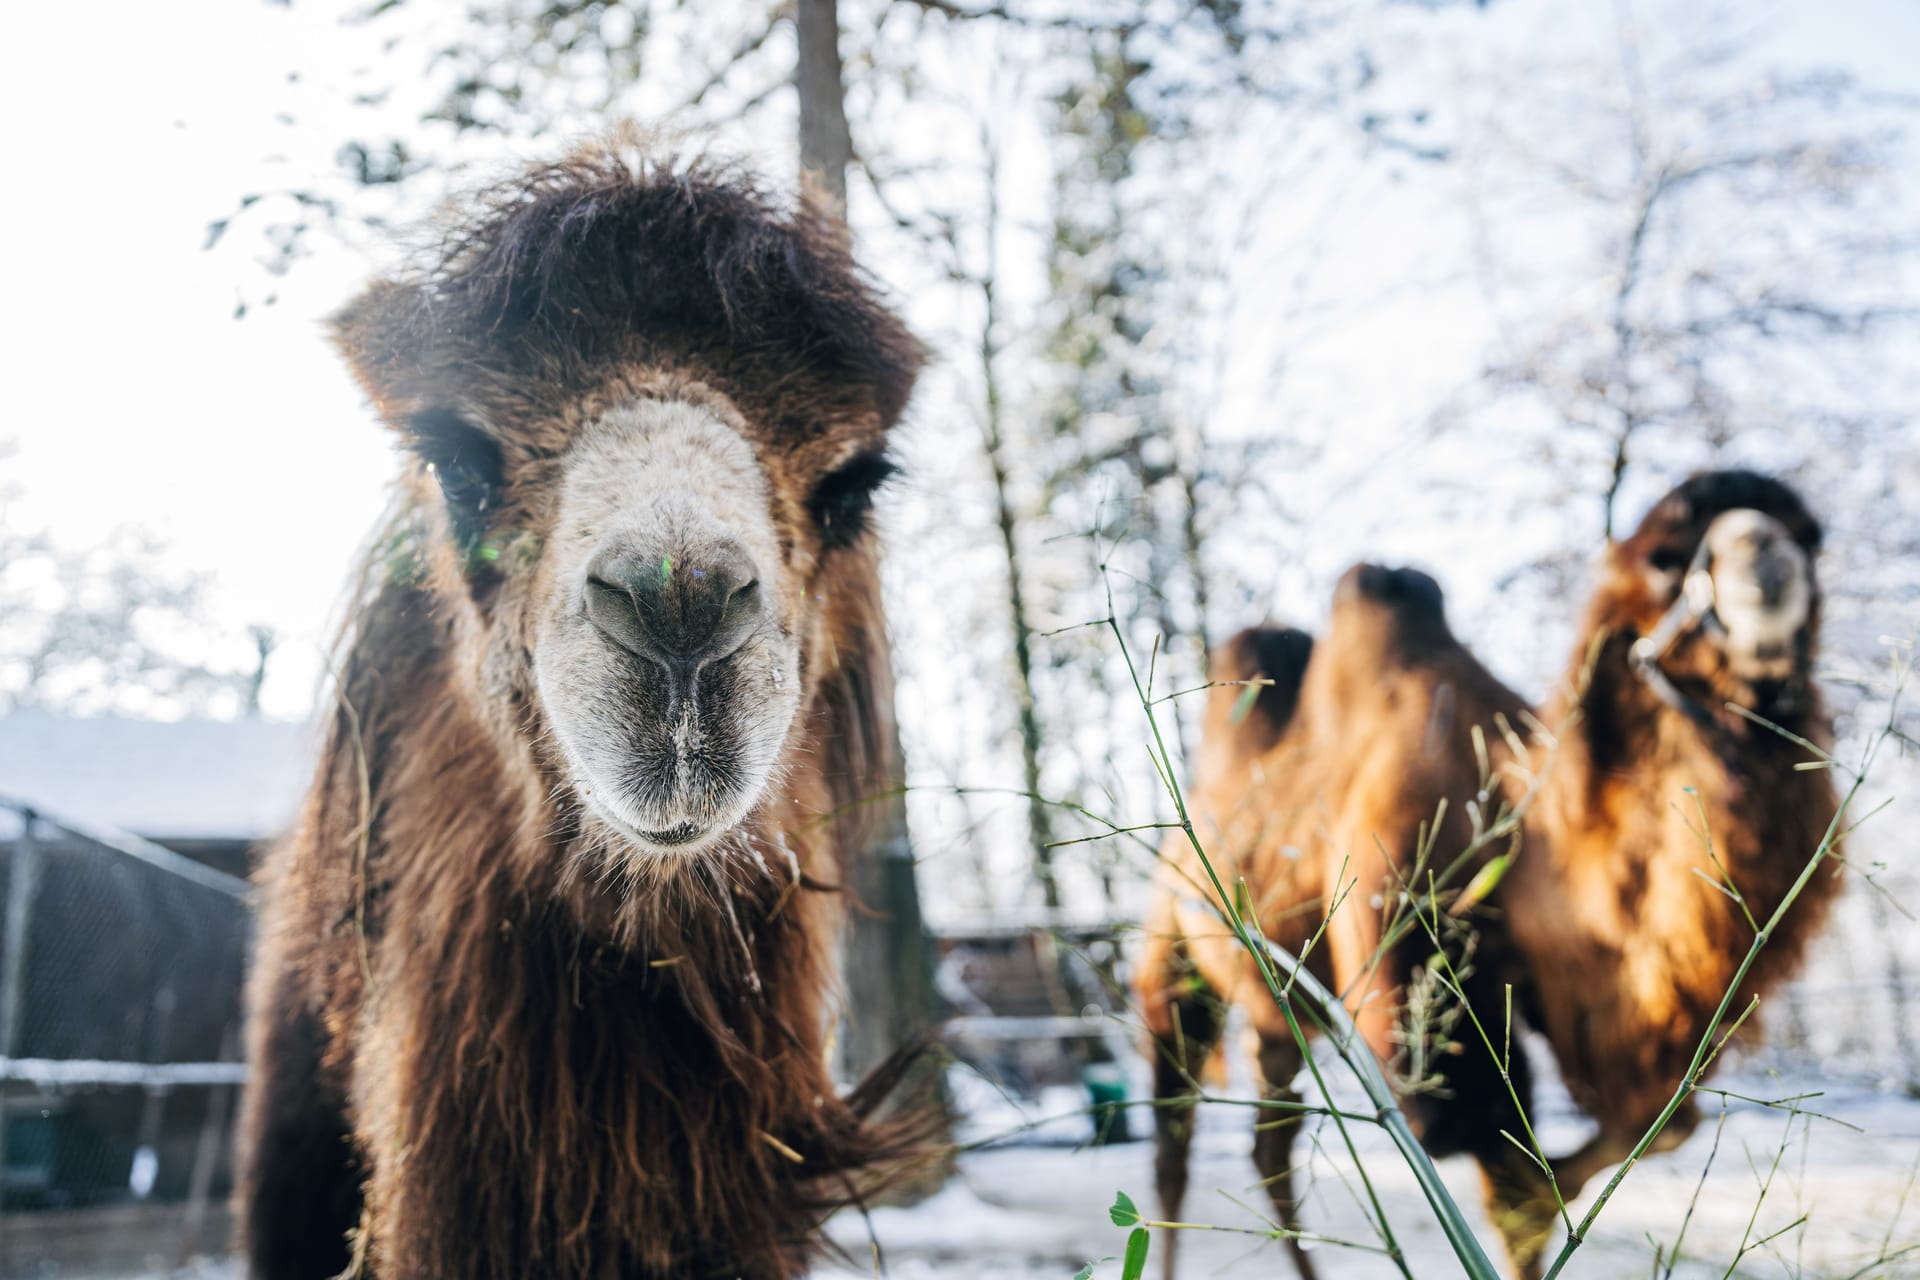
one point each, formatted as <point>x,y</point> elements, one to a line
<point>1021,1212</point>
<point>1034,1207</point>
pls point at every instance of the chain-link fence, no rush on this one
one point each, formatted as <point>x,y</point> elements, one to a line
<point>120,970</point>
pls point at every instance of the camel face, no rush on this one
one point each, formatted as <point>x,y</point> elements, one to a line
<point>646,406</point>
<point>668,641</point>
<point>1730,610</point>
<point>1762,593</point>
<point>656,592</point>
<point>1719,586</point>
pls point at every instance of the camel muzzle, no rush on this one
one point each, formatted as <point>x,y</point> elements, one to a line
<point>1749,589</point>
<point>1762,593</point>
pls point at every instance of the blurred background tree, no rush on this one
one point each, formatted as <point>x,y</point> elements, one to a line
<point>114,628</point>
<point>1196,274</point>
<point>1734,281</point>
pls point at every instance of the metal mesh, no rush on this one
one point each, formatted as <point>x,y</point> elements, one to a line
<point>120,973</point>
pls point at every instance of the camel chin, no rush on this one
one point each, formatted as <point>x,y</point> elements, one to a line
<point>1762,593</point>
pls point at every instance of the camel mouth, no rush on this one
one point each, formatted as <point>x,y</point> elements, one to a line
<point>1762,591</point>
<point>670,770</point>
<point>684,833</point>
<point>690,836</point>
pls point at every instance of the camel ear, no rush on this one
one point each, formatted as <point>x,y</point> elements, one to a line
<point>1675,511</point>
<point>385,338</point>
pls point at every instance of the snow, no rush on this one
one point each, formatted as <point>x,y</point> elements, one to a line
<point>1035,1207</point>
<point>1028,1211</point>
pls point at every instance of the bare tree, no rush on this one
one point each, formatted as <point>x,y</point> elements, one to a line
<point>110,629</point>
<point>1729,251</point>
<point>889,964</point>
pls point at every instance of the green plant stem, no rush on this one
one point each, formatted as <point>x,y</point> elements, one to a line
<point>1267,956</point>
<point>1390,1117</point>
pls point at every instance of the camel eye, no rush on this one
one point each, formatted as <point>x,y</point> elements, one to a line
<point>465,461</point>
<point>843,501</point>
<point>1667,560</point>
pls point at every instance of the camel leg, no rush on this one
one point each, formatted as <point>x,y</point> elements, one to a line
<point>1521,1206</point>
<point>1521,1203</point>
<point>1475,1103</point>
<point>1185,1019</point>
<point>1678,1129</point>
<point>298,1191</point>
<point>1611,1146</point>
<point>1279,1061</point>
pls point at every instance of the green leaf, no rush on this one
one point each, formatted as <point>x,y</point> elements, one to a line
<point>1481,885</point>
<point>1243,704</point>
<point>1135,1265</point>
<point>1123,1213</point>
<point>1084,1273</point>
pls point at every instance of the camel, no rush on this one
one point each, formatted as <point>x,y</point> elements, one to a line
<point>1616,920</point>
<point>545,971</point>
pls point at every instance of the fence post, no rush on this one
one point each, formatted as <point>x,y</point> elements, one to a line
<point>145,1173</point>
<point>206,1153</point>
<point>23,880</point>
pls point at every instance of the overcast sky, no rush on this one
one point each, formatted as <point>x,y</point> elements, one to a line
<point>135,395</point>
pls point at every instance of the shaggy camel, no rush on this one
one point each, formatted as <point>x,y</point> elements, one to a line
<point>545,970</point>
<point>1609,922</point>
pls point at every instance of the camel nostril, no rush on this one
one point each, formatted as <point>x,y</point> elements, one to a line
<point>611,588</point>
<point>739,617</point>
<point>613,608</point>
<point>681,607</point>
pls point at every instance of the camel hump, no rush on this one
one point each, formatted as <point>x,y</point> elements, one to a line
<point>1276,655</point>
<point>1683,515</point>
<point>1409,592</point>
<point>1389,613</point>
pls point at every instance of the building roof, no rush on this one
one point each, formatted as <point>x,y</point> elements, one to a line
<point>164,779</point>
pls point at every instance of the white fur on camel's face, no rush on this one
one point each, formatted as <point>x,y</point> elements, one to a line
<point>1762,592</point>
<point>667,653</point>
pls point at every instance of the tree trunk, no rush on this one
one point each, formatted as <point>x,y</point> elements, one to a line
<point>1039,828</point>
<point>888,961</point>
<point>826,148</point>
<point>1065,990</point>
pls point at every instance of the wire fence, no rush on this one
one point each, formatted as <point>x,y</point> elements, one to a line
<point>121,964</point>
<point>1849,1023</point>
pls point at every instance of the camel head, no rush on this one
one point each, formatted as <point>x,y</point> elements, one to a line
<point>644,409</point>
<point>1718,587</point>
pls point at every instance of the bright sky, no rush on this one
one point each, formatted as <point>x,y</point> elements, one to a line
<point>136,397</point>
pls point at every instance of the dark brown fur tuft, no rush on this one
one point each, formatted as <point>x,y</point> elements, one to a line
<point>618,255</point>
<point>1258,713</point>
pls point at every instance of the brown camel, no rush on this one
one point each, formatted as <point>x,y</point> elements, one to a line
<point>545,970</point>
<point>1648,796</point>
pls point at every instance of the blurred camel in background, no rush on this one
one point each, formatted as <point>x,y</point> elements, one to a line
<point>1652,826</point>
